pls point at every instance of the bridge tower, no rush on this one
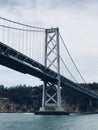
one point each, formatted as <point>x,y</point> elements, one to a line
<point>51,99</point>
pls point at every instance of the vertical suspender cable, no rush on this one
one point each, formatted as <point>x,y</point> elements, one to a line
<point>3,34</point>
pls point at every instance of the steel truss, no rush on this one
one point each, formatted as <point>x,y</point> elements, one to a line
<point>51,92</point>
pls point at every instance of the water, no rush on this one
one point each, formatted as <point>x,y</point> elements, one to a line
<point>16,121</point>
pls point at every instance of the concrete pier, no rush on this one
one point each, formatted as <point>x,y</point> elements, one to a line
<point>51,113</point>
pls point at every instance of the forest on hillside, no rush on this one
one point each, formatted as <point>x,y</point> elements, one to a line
<point>22,95</point>
<point>31,96</point>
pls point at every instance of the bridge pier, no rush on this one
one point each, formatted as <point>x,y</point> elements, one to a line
<point>90,102</point>
<point>51,98</point>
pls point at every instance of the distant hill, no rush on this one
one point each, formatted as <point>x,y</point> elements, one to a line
<point>24,98</point>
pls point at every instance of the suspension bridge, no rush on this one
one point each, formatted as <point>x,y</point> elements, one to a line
<point>42,53</point>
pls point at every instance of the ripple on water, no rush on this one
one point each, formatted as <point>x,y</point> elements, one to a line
<point>20,121</point>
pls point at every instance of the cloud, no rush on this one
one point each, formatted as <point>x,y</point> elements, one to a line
<point>7,2</point>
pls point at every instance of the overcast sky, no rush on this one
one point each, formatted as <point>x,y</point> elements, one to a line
<point>78,23</point>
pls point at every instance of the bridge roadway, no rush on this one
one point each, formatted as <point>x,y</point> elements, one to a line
<point>13,59</point>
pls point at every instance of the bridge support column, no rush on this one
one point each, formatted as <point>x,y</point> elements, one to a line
<point>51,99</point>
<point>43,99</point>
<point>90,102</point>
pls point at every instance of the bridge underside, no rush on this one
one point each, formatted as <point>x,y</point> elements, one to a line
<point>22,67</point>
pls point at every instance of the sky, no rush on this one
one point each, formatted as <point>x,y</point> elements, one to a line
<point>78,24</point>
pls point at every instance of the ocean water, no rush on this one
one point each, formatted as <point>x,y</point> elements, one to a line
<point>26,121</point>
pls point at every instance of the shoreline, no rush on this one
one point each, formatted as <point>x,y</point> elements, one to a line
<point>70,113</point>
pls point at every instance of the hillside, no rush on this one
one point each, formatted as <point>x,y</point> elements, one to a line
<point>28,99</point>
<point>20,99</point>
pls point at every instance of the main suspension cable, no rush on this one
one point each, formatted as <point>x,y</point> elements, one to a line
<point>68,69</point>
<point>22,23</point>
<point>20,29</point>
<point>71,58</point>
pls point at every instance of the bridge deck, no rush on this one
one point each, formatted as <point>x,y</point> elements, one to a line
<point>15,60</point>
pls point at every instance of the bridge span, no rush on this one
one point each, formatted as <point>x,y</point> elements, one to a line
<point>15,60</point>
